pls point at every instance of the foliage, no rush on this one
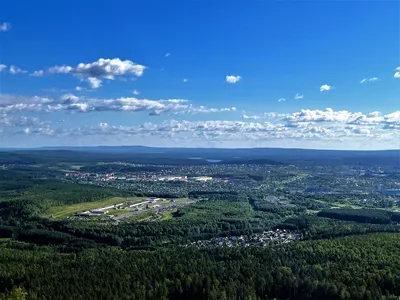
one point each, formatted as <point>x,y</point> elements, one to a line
<point>364,267</point>
<point>374,216</point>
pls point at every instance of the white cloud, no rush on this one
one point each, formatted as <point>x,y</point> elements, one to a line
<point>372,79</point>
<point>73,103</point>
<point>233,78</point>
<point>247,117</point>
<point>330,117</point>
<point>15,70</point>
<point>5,26</point>
<point>101,69</point>
<point>94,82</point>
<point>185,80</point>
<point>2,67</point>
<point>168,54</point>
<point>281,100</point>
<point>38,73</point>
<point>136,92</point>
<point>60,69</point>
<point>69,98</point>
<point>327,115</point>
<point>309,126</point>
<point>397,74</point>
<point>298,96</point>
<point>79,88</point>
<point>225,131</point>
<point>325,87</point>
<point>19,121</point>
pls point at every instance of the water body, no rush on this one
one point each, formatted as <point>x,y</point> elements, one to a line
<point>214,160</point>
<point>207,160</point>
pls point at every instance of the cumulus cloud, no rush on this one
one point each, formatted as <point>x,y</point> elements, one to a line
<point>101,69</point>
<point>69,98</point>
<point>281,100</point>
<point>298,96</point>
<point>15,70</point>
<point>19,121</point>
<point>397,73</point>
<point>94,82</point>
<point>73,103</point>
<point>13,104</point>
<point>170,128</point>
<point>325,87</point>
<point>306,125</point>
<point>135,92</point>
<point>327,115</point>
<point>247,117</point>
<point>60,69</point>
<point>331,118</point>
<point>266,115</point>
<point>37,73</point>
<point>233,78</point>
<point>2,67</point>
<point>5,26</point>
<point>222,131</point>
<point>45,130</point>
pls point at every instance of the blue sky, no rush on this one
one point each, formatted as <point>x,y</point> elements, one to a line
<point>204,73</point>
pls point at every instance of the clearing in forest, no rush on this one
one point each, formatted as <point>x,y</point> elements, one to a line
<point>59,212</point>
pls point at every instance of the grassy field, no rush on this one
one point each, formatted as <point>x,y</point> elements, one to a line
<point>181,200</point>
<point>141,217</point>
<point>59,212</point>
<point>167,215</point>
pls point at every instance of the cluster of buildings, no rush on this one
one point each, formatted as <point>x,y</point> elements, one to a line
<point>124,205</point>
<point>278,236</point>
<point>382,190</point>
<point>77,175</point>
<point>98,211</point>
<point>112,177</point>
<point>177,178</point>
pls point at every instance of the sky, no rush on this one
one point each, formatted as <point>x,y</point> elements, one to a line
<point>303,74</point>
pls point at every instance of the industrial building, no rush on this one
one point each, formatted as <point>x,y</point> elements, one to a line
<point>382,190</point>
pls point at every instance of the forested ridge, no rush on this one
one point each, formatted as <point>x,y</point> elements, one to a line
<point>353,267</point>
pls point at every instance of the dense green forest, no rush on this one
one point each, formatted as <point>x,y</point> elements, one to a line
<point>344,253</point>
<point>362,215</point>
<point>354,267</point>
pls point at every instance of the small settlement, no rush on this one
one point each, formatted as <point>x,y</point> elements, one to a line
<point>278,236</point>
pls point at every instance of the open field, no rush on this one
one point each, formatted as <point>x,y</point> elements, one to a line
<point>59,212</point>
<point>141,217</point>
<point>182,200</point>
<point>167,215</point>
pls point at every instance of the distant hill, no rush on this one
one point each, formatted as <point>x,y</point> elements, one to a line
<point>195,156</point>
